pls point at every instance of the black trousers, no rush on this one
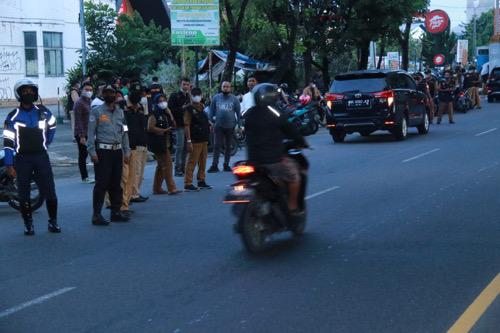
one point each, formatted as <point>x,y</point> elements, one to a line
<point>108,175</point>
<point>223,136</point>
<point>36,167</point>
<point>82,158</point>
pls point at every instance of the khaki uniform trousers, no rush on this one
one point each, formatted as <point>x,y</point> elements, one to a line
<point>196,158</point>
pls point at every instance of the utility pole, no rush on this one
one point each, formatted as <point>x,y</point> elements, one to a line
<point>84,42</point>
<point>474,38</point>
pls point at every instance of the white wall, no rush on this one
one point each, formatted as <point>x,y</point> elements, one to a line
<point>17,16</point>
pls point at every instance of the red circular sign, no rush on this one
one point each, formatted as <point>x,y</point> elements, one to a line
<point>437,21</point>
<point>439,59</point>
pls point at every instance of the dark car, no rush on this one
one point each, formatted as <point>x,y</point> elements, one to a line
<point>371,100</point>
<point>493,85</point>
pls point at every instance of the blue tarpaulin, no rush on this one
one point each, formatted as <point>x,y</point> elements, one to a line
<point>243,62</point>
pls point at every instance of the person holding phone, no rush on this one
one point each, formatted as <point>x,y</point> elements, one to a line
<point>160,125</point>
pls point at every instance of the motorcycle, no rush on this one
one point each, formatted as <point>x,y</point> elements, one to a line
<point>304,116</point>
<point>462,102</point>
<point>260,202</point>
<point>8,189</point>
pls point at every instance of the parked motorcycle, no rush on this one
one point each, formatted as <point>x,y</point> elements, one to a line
<point>305,116</point>
<point>8,189</point>
<point>462,102</point>
<point>261,202</point>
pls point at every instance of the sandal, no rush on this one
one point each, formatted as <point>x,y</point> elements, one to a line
<point>174,192</point>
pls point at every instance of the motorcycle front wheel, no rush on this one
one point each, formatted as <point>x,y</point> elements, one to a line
<point>35,199</point>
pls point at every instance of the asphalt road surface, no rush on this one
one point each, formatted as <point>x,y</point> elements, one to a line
<point>401,237</point>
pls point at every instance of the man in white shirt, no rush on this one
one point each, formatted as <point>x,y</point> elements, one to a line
<point>98,101</point>
<point>248,100</point>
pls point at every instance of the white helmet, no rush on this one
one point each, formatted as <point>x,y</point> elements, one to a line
<point>23,83</point>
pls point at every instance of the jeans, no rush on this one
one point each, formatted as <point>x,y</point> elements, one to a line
<point>180,150</point>
<point>222,136</point>
<point>82,158</point>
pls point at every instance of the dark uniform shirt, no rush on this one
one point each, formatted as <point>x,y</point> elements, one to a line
<point>108,127</point>
<point>176,103</point>
<point>137,123</point>
<point>199,125</point>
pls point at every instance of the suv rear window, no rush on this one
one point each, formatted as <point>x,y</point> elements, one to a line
<point>362,83</point>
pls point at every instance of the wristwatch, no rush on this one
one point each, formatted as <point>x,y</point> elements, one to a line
<point>188,141</point>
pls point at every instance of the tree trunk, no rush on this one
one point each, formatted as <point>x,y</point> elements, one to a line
<point>405,46</point>
<point>325,69</point>
<point>307,65</point>
<point>231,59</point>
<point>382,51</point>
<point>364,54</point>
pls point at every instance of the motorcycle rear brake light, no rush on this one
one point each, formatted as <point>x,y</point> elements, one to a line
<point>243,170</point>
<point>333,97</point>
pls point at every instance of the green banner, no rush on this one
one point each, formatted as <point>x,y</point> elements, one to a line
<point>195,22</point>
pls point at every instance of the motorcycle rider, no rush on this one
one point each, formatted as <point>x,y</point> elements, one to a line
<point>266,129</point>
<point>28,131</point>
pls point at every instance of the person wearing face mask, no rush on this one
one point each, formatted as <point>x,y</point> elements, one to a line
<point>160,125</point>
<point>28,131</point>
<point>197,127</point>
<point>445,91</point>
<point>225,113</point>
<point>108,146</point>
<point>247,100</point>
<point>176,103</point>
<point>81,112</point>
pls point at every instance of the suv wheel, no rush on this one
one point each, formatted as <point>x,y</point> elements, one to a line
<point>338,136</point>
<point>424,127</point>
<point>401,130</point>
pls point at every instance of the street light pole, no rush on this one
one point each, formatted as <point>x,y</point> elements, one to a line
<point>84,42</point>
<point>474,38</point>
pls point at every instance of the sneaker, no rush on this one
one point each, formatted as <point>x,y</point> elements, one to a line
<point>191,188</point>
<point>452,122</point>
<point>204,186</point>
<point>213,169</point>
<point>227,168</point>
<point>179,174</point>
<point>54,227</point>
<point>99,220</point>
<point>88,181</point>
<point>139,199</point>
<point>174,192</point>
<point>120,217</point>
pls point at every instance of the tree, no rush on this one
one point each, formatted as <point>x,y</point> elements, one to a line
<point>484,31</point>
<point>433,44</point>
<point>232,23</point>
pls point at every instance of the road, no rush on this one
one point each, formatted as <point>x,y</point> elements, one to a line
<point>402,237</point>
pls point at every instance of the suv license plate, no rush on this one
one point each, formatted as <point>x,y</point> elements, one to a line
<point>355,103</point>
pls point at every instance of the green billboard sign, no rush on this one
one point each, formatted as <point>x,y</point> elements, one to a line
<point>195,22</point>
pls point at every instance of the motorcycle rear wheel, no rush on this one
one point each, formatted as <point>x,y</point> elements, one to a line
<point>35,198</point>
<point>254,239</point>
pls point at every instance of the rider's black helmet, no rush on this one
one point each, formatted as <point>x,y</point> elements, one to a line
<point>266,94</point>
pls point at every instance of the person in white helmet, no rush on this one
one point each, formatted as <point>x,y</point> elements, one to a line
<point>28,131</point>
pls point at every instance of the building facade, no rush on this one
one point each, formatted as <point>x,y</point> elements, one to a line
<point>40,40</point>
<point>482,6</point>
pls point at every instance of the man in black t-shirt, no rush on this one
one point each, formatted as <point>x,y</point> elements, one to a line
<point>176,103</point>
<point>471,83</point>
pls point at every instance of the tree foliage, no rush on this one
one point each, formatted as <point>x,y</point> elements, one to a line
<point>484,31</point>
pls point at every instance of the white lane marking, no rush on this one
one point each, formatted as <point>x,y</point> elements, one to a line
<point>35,301</point>
<point>314,195</point>
<point>486,132</point>
<point>421,155</point>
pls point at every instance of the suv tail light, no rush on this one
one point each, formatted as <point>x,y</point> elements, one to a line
<point>386,96</point>
<point>330,98</point>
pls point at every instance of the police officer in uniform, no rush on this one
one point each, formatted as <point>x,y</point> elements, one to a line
<point>28,130</point>
<point>108,146</point>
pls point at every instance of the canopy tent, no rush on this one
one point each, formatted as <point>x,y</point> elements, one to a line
<point>243,62</point>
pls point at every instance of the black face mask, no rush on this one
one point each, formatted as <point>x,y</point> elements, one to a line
<point>28,98</point>
<point>109,99</point>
